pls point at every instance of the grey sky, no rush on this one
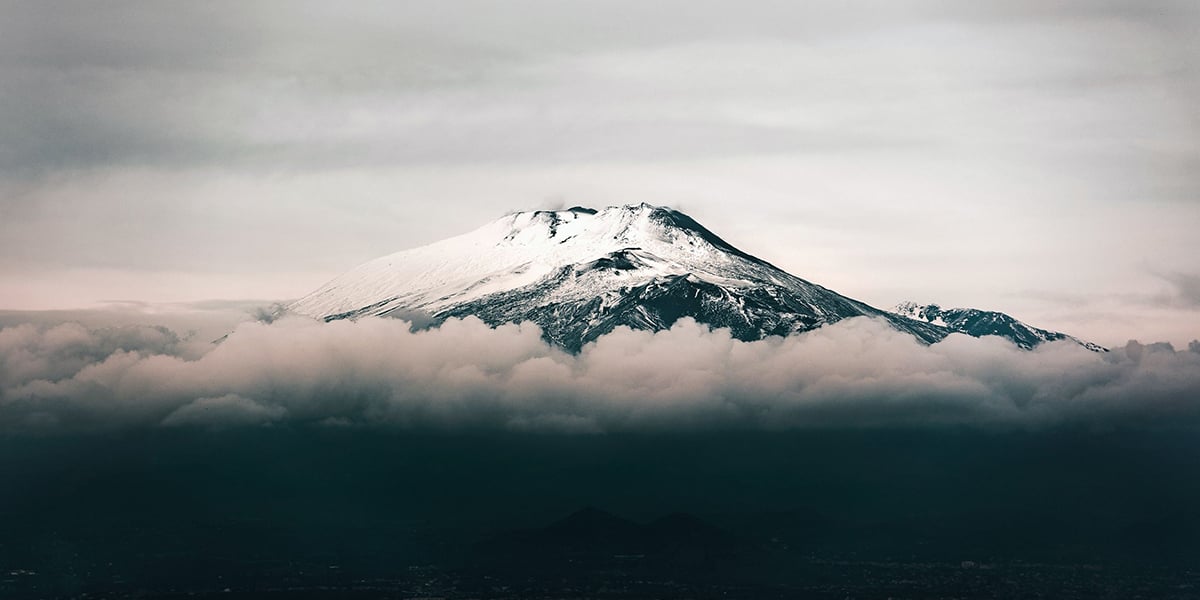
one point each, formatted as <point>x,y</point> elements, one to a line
<point>1041,158</point>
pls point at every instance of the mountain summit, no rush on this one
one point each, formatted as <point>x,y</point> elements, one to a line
<point>579,273</point>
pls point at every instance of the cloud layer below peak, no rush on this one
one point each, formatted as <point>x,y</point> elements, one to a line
<point>465,375</point>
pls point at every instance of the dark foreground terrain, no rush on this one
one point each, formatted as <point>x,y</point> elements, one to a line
<point>344,513</point>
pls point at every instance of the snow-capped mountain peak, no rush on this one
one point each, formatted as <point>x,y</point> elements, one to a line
<point>522,248</point>
<point>978,323</point>
<point>580,272</point>
<point>930,313</point>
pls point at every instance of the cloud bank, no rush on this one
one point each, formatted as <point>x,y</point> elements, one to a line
<point>465,375</point>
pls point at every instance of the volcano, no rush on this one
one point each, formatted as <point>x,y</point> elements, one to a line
<point>580,273</point>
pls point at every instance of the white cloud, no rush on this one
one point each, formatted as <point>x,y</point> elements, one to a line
<point>466,375</point>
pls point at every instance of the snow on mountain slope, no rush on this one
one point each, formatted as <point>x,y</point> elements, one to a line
<point>523,248</point>
<point>978,323</point>
<point>580,273</point>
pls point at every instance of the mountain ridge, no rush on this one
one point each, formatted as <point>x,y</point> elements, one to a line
<point>978,323</point>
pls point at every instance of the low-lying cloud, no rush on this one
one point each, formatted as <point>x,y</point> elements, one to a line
<point>465,375</point>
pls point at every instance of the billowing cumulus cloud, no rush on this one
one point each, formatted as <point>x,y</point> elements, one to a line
<point>466,375</point>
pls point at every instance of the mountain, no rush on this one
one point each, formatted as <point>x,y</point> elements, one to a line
<point>978,323</point>
<point>579,273</point>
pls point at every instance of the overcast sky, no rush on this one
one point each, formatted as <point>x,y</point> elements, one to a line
<point>1040,158</point>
